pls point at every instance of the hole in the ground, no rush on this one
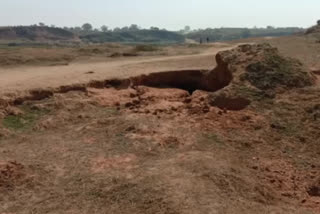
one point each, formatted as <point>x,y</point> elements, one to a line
<point>186,80</point>
<point>189,80</point>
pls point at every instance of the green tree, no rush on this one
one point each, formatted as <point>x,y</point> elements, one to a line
<point>187,29</point>
<point>117,29</point>
<point>124,29</point>
<point>134,27</point>
<point>77,29</point>
<point>87,27</point>
<point>104,28</point>
<point>154,28</point>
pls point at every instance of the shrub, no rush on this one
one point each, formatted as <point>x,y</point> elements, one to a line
<point>146,48</point>
<point>12,44</point>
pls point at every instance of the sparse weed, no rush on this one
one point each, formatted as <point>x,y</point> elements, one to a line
<point>24,121</point>
<point>209,140</point>
<point>146,48</point>
<point>277,71</point>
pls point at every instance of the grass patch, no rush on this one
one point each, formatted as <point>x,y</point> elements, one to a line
<point>24,121</point>
<point>209,140</point>
<point>253,94</point>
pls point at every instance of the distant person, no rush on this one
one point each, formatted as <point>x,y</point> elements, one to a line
<point>208,40</point>
<point>200,41</point>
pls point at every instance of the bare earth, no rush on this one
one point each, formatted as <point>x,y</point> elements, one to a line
<point>23,78</point>
<point>244,148</point>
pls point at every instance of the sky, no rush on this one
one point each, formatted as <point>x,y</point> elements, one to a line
<point>169,14</point>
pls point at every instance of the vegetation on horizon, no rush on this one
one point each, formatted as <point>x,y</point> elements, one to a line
<point>225,34</point>
<point>136,34</point>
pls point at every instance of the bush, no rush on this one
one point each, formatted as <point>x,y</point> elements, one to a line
<point>146,48</point>
<point>12,44</point>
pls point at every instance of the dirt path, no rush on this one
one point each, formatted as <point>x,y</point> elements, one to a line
<point>23,78</point>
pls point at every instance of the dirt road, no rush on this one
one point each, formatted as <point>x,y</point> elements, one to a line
<point>23,78</point>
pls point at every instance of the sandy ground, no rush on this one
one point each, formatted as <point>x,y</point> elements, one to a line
<point>21,78</point>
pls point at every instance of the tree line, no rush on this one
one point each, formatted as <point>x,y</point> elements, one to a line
<point>212,34</point>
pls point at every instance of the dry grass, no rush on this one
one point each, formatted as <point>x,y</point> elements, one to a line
<point>151,150</point>
<point>161,155</point>
<point>53,55</point>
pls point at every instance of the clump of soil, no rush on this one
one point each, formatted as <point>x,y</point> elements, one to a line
<point>314,189</point>
<point>11,174</point>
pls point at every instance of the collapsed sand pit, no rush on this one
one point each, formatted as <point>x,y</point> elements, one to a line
<point>189,80</point>
<point>258,69</point>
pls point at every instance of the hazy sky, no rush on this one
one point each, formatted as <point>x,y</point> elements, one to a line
<point>170,14</point>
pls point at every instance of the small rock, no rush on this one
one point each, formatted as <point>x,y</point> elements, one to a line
<point>245,118</point>
<point>128,104</point>
<point>130,129</point>
<point>136,102</point>
<point>187,100</point>
<point>147,111</point>
<point>174,108</point>
<point>205,109</point>
<point>255,167</point>
<point>132,95</point>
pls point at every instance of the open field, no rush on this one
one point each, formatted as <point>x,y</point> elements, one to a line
<point>82,132</point>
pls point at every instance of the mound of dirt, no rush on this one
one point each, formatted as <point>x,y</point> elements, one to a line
<point>258,71</point>
<point>314,30</point>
